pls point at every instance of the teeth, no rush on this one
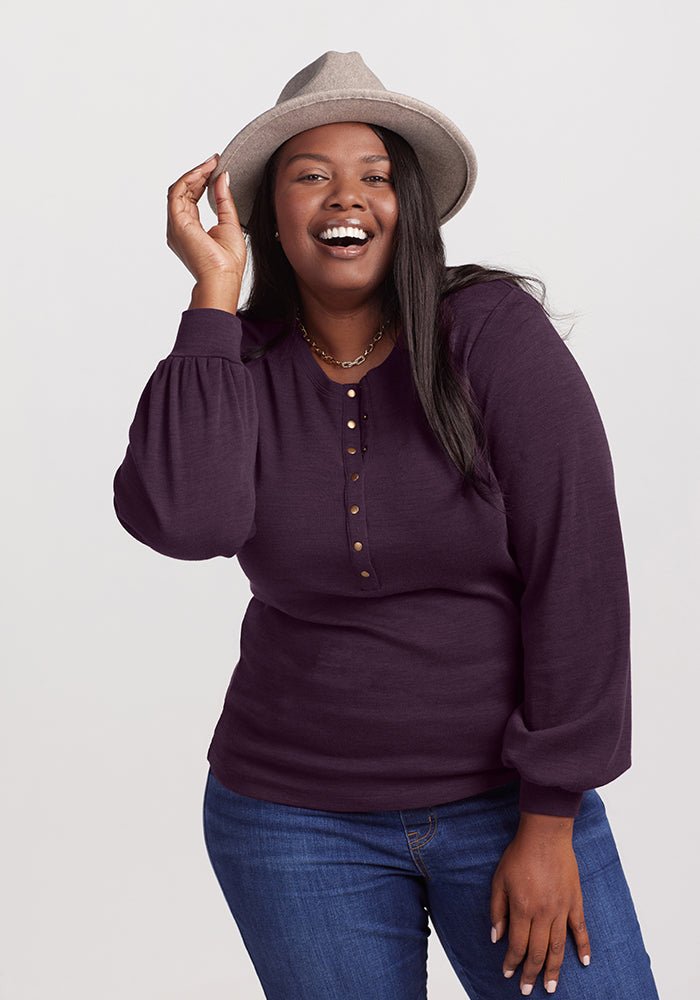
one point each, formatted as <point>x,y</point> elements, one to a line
<point>332,233</point>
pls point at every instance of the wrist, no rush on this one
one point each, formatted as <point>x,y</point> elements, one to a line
<point>537,826</point>
<point>216,293</point>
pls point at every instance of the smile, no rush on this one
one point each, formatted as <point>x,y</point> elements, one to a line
<point>344,236</point>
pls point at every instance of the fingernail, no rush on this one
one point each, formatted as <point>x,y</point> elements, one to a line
<point>551,986</point>
<point>227,179</point>
<point>494,935</point>
<point>526,990</point>
<point>508,973</point>
<point>586,959</point>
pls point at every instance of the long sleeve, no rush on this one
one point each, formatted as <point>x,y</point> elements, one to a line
<point>550,455</point>
<point>186,486</point>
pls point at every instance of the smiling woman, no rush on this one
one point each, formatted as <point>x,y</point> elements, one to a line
<point>332,178</point>
<point>412,472</point>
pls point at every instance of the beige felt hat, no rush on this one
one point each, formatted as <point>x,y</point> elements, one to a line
<point>339,87</point>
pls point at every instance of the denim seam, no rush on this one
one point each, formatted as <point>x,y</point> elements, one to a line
<point>432,828</point>
<point>414,844</point>
<point>420,864</point>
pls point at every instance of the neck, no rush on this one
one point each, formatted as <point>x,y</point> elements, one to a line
<point>344,331</point>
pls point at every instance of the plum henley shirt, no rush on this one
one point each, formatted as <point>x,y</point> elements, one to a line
<point>407,643</point>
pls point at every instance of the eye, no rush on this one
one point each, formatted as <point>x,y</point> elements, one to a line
<point>312,177</point>
<point>378,179</point>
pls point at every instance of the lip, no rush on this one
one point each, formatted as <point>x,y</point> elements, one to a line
<point>336,223</point>
<point>343,253</point>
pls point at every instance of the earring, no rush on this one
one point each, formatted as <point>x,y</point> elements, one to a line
<point>277,235</point>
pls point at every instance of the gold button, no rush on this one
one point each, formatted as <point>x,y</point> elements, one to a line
<point>357,546</point>
<point>355,476</point>
<point>364,416</point>
<point>364,573</point>
<point>352,451</point>
<point>365,448</point>
<point>354,509</point>
<point>351,424</point>
<point>352,393</point>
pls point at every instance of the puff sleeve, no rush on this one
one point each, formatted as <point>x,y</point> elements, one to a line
<point>186,486</point>
<point>551,458</point>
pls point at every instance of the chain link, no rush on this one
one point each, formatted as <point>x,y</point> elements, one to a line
<point>328,358</point>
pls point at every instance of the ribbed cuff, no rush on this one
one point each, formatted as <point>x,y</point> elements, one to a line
<point>548,801</point>
<point>209,333</point>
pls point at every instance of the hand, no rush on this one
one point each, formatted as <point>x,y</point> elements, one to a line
<point>216,258</point>
<point>536,890</point>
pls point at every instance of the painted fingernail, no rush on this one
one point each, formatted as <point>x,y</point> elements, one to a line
<point>494,935</point>
<point>551,986</point>
<point>526,990</point>
<point>508,973</point>
<point>228,182</point>
<point>586,959</point>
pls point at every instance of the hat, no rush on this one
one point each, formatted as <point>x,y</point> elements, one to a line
<point>339,87</point>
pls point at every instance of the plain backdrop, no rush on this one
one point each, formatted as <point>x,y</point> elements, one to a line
<point>116,659</point>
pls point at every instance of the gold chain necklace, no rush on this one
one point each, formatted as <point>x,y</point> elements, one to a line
<point>328,358</point>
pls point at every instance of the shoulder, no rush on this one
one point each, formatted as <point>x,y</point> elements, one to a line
<point>492,317</point>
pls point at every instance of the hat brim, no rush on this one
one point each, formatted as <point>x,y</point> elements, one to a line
<point>446,156</point>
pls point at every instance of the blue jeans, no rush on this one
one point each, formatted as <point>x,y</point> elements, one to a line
<point>335,906</point>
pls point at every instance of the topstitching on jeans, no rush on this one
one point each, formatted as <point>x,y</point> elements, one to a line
<point>415,841</point>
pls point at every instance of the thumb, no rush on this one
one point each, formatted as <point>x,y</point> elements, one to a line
<point>225,208</point>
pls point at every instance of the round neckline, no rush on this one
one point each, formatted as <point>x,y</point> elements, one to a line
<point>318,375</point>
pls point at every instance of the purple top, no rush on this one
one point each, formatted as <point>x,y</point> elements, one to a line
<point>406,643</point>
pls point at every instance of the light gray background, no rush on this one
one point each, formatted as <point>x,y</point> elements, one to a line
<point>582,116</point>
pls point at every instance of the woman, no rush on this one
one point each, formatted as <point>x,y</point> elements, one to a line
<point>409,465</point>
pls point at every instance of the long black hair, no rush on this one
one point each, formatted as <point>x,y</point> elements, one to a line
<point>413,299</point>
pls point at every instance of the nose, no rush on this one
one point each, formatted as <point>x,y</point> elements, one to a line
<point>345,193</point>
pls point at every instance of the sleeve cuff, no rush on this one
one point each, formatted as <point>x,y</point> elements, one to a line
<point>548,801</point>
<point>209,333</point>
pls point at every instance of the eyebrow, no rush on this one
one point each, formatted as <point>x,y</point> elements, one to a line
<point>370,158</point>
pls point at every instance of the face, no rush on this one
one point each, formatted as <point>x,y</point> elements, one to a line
<point>336,211</point>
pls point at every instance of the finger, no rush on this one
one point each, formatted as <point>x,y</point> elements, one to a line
<point>518,939</point>
<point>193,182</point>
<point>555,955</point>
<point>537,948</point>
<point>577,923</point>
<point>183,196</point>
<point>225,208</point>
<point>499,910</point>
<point>201,170</point>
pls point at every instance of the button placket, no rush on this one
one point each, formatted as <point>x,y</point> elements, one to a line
<point>355,417</point>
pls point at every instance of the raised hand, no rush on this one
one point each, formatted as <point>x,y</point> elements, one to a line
<point>215,258</point>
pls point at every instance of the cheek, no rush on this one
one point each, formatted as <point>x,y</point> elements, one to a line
<point>293,207</point>
<point>391,220</point>
<point>284,210</point>
<point>391,216</point>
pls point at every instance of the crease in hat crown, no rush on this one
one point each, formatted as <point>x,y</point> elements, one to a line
<point>340,87</point>
<point>332,71</point>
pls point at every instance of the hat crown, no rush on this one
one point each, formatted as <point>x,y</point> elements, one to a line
<point>339,87</point>
<point>331,71</point>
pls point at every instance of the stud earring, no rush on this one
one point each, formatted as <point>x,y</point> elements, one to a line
<point>277,235</point>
